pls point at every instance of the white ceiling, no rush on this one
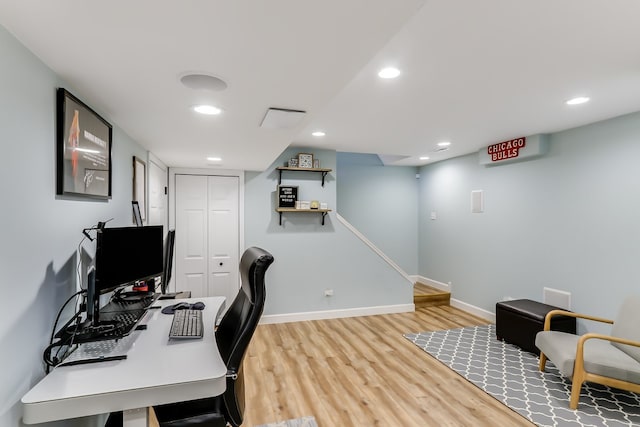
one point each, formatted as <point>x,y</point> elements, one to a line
<point>473,72</point>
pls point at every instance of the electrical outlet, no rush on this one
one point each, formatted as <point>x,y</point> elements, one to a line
<point>328,292</point>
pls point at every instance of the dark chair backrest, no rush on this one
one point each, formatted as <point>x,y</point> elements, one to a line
<point>238,325</point>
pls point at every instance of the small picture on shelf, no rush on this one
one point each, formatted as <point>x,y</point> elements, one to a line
<point>316,163</point>
<point>305,160</point>
<point>293,162</point>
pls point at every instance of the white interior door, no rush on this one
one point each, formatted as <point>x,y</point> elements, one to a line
<point>207,235</point>
<point>191,234</point>
<point>223,236</point>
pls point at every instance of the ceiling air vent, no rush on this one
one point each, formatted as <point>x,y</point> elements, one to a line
<point>282,118</point>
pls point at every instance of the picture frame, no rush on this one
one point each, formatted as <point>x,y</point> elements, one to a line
<point>305,160</point>
<point>293,162</point>
<point>140,185</point>
<point>84,141</point>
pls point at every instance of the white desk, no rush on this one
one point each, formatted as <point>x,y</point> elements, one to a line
<point>156,371</point>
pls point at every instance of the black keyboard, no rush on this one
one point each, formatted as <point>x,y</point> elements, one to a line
<point>186,324</point>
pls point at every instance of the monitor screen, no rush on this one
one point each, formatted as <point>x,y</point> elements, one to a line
<point>127,254</point>
<point>168,260</point>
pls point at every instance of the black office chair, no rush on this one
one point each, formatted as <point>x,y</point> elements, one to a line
<point>233,336</point>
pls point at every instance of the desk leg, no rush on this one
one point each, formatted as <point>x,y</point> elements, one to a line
<point>135,417</point>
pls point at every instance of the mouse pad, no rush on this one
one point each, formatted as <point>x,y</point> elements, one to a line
<point>170,309</point>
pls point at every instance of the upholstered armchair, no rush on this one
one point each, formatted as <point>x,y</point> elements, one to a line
<point>612,360</point>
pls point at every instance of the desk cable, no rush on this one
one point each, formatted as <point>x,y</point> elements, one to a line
<point>47,352</point>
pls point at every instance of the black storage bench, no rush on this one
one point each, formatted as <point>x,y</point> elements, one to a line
<point>518,322</point>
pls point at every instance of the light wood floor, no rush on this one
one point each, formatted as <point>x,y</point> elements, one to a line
<point>361,371</point>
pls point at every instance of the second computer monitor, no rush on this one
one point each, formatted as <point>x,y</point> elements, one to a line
<point>168,260</point>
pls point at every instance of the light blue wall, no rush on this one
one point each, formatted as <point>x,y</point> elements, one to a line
<point>382,203</point>
<point>40,232</point>
<point>310,257</point>
<point>569,220</point>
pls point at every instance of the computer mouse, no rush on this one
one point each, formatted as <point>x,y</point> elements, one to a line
<point>197,305</point>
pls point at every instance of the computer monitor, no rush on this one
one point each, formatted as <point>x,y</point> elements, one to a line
<point>137,217</point>
<point>123,256</point>
<point>168,260</point>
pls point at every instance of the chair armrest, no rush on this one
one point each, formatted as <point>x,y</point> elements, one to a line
<point>610,338</point>
<point>579,363</point>
<point>547,319</point>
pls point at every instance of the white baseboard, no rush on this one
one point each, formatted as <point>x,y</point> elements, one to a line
<point>472,309</point>
<point>432,283</point>
<point>336,314</point>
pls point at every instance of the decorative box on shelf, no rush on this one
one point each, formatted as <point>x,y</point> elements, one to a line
<point>303,204</point>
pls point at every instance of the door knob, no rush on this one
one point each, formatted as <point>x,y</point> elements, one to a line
<point>220,263</point>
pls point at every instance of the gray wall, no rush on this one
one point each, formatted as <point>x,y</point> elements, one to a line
<point>568,220</point>
<point>41,231</point>
<point>310,257</point>
<point>382,203</point>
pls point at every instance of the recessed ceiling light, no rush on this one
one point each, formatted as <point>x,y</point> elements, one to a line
<point>444,144</point>
<point>389,73</point>
<point>214,159</point>
<point>318,133</point>
<point>207,109</point>
<point>424,158</point>
<point>578,100</point>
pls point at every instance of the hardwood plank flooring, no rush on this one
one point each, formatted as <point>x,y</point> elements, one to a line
<point>361,371</point>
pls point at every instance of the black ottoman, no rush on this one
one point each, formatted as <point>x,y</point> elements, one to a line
<point>518,321</point>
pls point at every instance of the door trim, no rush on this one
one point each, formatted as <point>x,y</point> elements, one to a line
<point>152,158</point>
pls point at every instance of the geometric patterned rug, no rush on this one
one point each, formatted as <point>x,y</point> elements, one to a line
<point>511,375</point>
<point>298,422</point>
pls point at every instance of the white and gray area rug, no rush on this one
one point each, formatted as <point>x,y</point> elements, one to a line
<point>298,422</point>
<point>511,375</point>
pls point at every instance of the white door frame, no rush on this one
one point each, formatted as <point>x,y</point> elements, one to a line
<point>152,158</point>
<point>209,172</point>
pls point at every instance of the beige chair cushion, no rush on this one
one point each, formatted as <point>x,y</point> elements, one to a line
<point>600,357</point>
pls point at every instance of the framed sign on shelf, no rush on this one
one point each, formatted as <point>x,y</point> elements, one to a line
<point>140,185</point>
<point>287,196</point>
<point>83,149</point>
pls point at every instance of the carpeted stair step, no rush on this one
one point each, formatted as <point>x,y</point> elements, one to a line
<point>426,296</point>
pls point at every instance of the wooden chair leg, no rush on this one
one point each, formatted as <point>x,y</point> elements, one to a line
<point>576,386</point>
<point>543,361</point>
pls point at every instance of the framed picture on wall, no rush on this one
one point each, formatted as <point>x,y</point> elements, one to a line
<point>83,149</point>
<point>140,185</point>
